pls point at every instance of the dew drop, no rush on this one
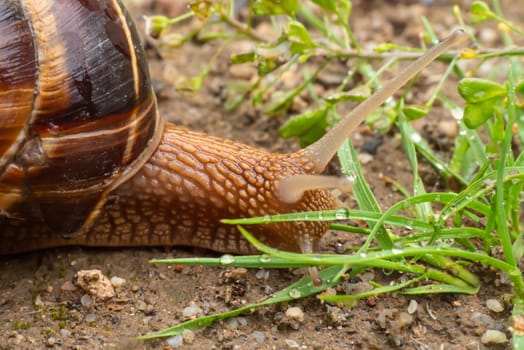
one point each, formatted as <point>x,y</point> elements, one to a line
<point>341,214</point>
<point>294,293</point>
<point>227,259</point>
<point>416,138</point>
<point>457,113</point>
<point>264,258</point>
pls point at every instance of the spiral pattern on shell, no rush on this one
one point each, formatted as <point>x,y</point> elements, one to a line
<point>77,114</point>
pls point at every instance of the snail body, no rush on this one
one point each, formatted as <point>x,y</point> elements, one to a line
<point>85,158</point>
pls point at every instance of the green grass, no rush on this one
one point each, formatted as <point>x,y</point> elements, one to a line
<point>444,232</point>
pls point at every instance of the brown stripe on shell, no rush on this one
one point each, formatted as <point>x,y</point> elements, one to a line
<point>17,79</point>
<point>94,118</point>
<point>134,64</point>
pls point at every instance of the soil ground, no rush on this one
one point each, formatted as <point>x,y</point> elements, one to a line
<point>40,308</point>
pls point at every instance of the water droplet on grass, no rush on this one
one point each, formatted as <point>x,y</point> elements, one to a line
<point>341,214</point>
<point>264,258</point>
<point>295,293</point>
<point>227,259</point>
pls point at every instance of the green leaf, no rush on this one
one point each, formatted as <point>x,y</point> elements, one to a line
<point>384,47</point>
<point>155,25</point>
<point>308,126</point>
<point>298,36</point>
<point>518,246</point>
<point>440,289</point>
<point>192,84</point>
<point>358,94</point>
<point>296,32</point>
<point>413,112</point>
<point>519,87</point>
<point>242,58</point>
<point>266,66</point>
<point>480,12</point>
<point>204,8</point>
<point>275,7</point>
<point>475,90</point>
<point>328,5</point>
<point>476,114</point>
<point>344,9</point>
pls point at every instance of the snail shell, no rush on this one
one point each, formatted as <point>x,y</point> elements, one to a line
<point>77,114</point>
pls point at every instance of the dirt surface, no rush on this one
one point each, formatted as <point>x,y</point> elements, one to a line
<point>40,307</point>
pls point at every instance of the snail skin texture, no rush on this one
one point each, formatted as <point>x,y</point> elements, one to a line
<point>85,158</point>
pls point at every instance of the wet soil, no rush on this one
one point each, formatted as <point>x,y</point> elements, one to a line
<point>41,308</point>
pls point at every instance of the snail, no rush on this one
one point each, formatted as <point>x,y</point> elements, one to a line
<point>86,159</point>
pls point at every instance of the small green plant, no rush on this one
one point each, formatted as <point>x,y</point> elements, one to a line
<point>444,232</point>
<point>21,325</point>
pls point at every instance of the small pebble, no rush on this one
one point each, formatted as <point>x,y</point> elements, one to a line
<point>494,305</point>
<point>232,323</point>
<point>86,301</point>
<point>291,344</point>
<point>150,310</point>
<point>192,311</point>
<point>242,71</point>
<point>52,341</point>
<point>95,283</point>
<point>90,318</point>
<point>383,316</point>
<point>365,158</point>
<point>38,300</point>
<point>65,332</point>
<point>236,274</point>
<point>188,336</point>
<point>367,276</point>
<point>371,144</point>
<point>262,274</point>
<point>357,288</point>
<point>483,319</point>
<point>141,305</point>
<point>258,336</point>
<point>412,307</point>
<point>176,341</point>
<point>295,313</point>
<point>117,282</point>
<point>492,336</point>
<point>242,321</point>
<point>336,315</point>
<point>404,319</point>
<point>449,128</point>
